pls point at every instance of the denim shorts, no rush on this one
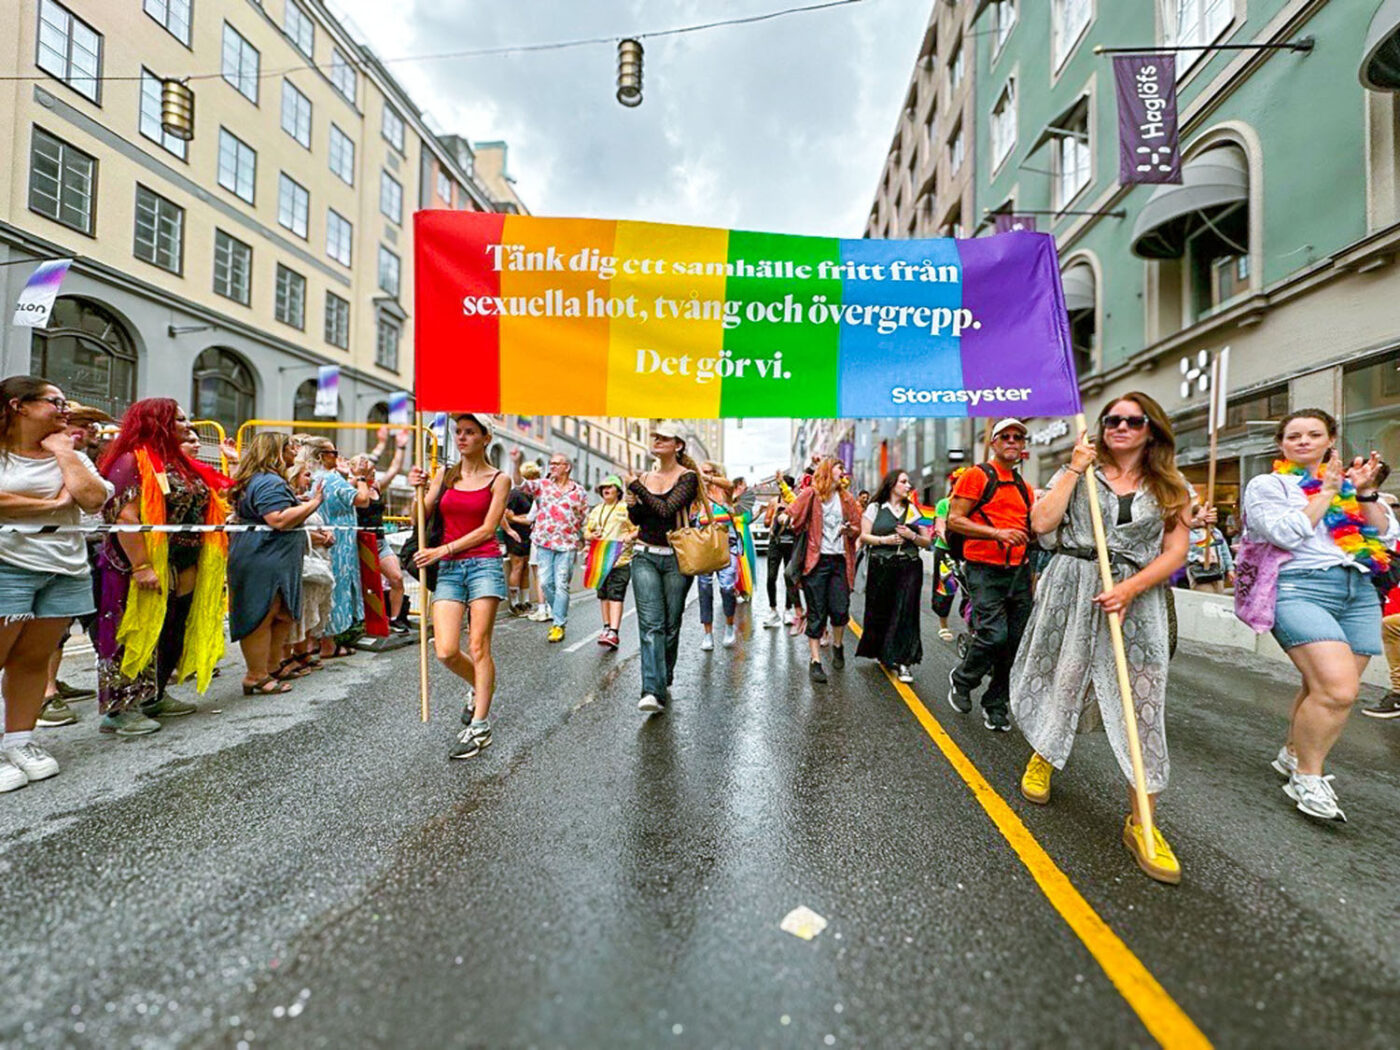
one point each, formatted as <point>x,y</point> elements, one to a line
<point>385,551</point>
<point>25,593</point>
<point>1328,605</point>
<point>467,579</point>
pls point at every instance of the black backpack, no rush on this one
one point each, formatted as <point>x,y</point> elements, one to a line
<point>956,540</point>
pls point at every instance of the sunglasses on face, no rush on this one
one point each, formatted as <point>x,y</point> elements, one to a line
<point>1133,422</point>
<point>60,403</point>
<point>1019,439</point>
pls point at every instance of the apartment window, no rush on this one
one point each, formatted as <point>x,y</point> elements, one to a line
<point>390,197</point>
<point>392,129</point>
<point>386,345</point>
<point>1068,20</point>
<point>293,204</point>
<point>339,234</point>
<point>70,49</point>
<point>297,24</point>
<point>444,187</point>
<point>160,230</point>
<point>1194,22</point>
<point>1004,124</point>
<point>233,268</point>
<point>388,272</point>
<point>342,155</point>
<point>337,321</point>
<point>343,76</point>
<point>150,117</point>
<point>1072,160</point>
<point>241,61</point>
<point>238,165</point>
<point>289,306</point>
<point>1003,21</point>
<point>956,150</point>
<point>62,182</point>
<point>296,114</point>
<point>173,14</point>
<point>956,67</point>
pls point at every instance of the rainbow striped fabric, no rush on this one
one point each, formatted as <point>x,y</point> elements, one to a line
<point>916,514</point>
<point>601,559</point>
<point>1344,519</point>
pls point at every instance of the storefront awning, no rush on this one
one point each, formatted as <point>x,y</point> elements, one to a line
<point>1079,285</point>
<point>1211,182</point>
<point>1380,61</point>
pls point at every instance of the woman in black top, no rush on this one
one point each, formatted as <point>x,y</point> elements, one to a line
<point>896,577</point>
<point>654,502</point>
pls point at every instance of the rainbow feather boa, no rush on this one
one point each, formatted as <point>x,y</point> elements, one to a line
<point>1343,519</point>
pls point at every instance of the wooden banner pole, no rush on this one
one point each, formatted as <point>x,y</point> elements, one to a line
<point>1120,657</point>
<point>425,596</point>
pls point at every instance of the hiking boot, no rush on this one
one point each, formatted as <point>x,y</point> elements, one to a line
<point>168,707</point>
<point>32,760</point>
<point>958,697</point>
<point>1315,796</point>
<point>471,742</point>
<point>817,673</point>
<point>128,723</point>
<point>1035,781</point>
<point>55,713</point>
<point>1387,706</point>
<point>1164,867</point>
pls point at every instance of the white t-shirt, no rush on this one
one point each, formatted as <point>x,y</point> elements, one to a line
<point>60,552</point>
<point>833,521</point>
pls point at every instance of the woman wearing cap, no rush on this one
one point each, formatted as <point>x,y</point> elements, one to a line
<point>654,503</point>
<point>608,522</point>
<point>470,495</point>
<point>341,500</point>
<point>44,579</point>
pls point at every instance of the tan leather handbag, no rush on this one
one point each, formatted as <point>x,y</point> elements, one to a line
<point>702,548</point>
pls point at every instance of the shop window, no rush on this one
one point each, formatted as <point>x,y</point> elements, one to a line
<point>88,353</point>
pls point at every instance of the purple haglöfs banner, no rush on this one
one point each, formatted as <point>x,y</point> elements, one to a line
<point>1010,222</point>
<point>328,392</point>
<point>1149,145</point>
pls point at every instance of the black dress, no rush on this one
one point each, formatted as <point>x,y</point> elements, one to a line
<point>893,583</point>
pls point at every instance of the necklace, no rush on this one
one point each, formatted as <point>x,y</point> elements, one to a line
<point>1344,520</point>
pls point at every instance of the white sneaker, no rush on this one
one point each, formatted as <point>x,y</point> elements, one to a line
<point>707,643</point>
<point>11,776</point>
<point>905,675</point>
<point>1286,764</point>
<point>650,704</point>
<point>729,636</point>
<point>1314,795</point>
<point>541,614</point>
<point>772,619</point>
<point>33,761</point>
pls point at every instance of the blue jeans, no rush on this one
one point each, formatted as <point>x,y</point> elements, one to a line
<point>556,570</point>
<point>728,577</point>
<point>659,589</point>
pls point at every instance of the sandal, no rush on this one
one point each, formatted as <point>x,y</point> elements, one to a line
<point>945,634</point>
<point>260,688</point>
<point>298,670</point>
<point>339,652</point>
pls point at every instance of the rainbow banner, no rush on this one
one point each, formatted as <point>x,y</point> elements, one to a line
<point>601,559</point>
<point>916,514</point>
<point>594,317</point>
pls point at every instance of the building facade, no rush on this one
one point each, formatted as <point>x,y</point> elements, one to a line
<point>1280,243</point>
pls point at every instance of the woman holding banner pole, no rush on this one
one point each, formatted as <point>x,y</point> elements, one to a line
<point>1065,679</point>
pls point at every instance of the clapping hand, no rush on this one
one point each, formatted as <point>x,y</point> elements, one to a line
<point>1332,474</point>
<point>1363,472</point>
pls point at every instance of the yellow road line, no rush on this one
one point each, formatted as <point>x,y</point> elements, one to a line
<point>1161,1016</point>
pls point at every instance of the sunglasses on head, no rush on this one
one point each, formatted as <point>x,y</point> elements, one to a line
<point>1113,422</point>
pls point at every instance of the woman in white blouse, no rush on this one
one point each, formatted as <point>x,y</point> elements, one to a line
<point>1326,616</point>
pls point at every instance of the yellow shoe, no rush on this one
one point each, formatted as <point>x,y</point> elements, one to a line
<point>1035,781</point>
<point>556,633</point>
<point>1165,867</point>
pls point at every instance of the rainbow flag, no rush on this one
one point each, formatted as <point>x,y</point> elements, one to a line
<point>530,315</point>
<point>916,514</point>
<point>601,560</point>
<point>744,581</point>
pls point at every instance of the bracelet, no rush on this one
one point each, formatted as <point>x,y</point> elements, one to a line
<point>1077,473</point>
<point>1372,498</point>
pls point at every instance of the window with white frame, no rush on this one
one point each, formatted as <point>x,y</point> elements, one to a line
<point>1194,22</point>
<point>174,15</point>
<point>289,302</point>
<point>1003,21</point>
<point>388,272</point>
<point>1072,161</point>
<point>293,204</point>
<point>1068,20</point>
<point>390,197</point>
<point>238,165</point>
<point>160,230</point>
<point>337,328</point>
<point>392,128</point>
<point>339,235</point>
<point>386,345</point>
<point>233,268</point>
<point>342,155</point>
<point>343,76</point>
<point>956,67</point>
<point>956,149</point>
<point>297,24</point>
<point>70,49</point>
<point>241,61</point>
<point>150,117</point>
<point>296,114</point>
<point>444,187</point>
<point>1004,123</point>
<point>62,180</point>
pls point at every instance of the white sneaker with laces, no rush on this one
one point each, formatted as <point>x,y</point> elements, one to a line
<point>905,675</point>
<point>707,643</point>
<point>772,619</point>
<point>541,614</point>
<point>729,636</point>
<point>11,776</point>
<point>1286,764</point>
<point>33,761</point>
<point>1315,796</point>
<point>650,704</point>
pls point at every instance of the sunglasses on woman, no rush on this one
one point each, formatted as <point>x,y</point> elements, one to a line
<point>1133,422</point>
<point>58,402</point>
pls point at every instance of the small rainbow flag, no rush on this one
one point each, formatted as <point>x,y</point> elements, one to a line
<point>746,574</point>
<point>918,515</point>
<point>601,560</point>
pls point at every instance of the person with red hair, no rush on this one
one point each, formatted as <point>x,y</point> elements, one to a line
<point>160,611</point>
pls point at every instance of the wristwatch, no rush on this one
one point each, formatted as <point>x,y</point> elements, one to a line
<point>1374,497</point>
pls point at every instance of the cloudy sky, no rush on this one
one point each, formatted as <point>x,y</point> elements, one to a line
<point>780,125</point>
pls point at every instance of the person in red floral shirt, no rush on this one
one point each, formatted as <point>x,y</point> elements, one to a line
<point>561,505</point>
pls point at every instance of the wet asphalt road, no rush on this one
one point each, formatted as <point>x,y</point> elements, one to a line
<point>309,870</point>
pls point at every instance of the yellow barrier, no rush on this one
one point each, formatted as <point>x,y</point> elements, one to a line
<point>195,424</point>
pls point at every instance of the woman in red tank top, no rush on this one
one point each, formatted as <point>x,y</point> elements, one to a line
<point>471,498</point>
